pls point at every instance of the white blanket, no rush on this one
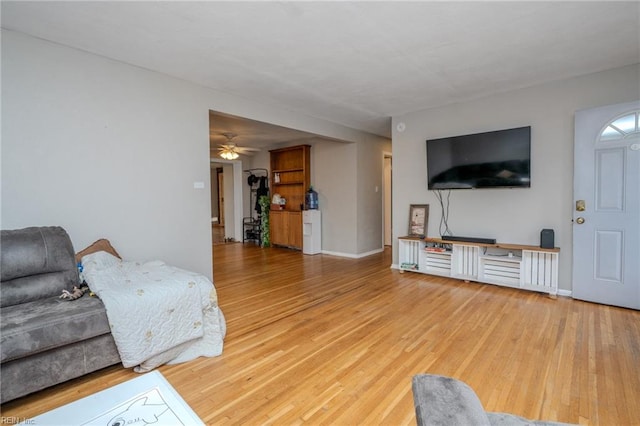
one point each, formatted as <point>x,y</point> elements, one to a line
<point>157,313</point>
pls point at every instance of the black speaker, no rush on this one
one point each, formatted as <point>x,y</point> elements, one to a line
<point>546,238</point>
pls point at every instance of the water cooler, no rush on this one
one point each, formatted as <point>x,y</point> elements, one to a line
<point>311,232</point>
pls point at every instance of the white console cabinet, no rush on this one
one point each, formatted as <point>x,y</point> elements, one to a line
<point>512,265</point>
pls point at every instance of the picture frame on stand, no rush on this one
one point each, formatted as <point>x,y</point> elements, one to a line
<point>418,220</point>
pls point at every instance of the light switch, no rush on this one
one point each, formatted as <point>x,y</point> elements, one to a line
<point>198,185</point>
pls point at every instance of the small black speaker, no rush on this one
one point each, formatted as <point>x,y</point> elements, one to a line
<point>546,238</point>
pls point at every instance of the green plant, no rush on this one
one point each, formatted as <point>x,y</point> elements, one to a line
<point>265,204</point>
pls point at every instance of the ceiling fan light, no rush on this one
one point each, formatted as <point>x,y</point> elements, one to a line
<point>229,155</point>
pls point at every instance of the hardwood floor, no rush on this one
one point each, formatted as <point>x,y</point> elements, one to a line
<point>328,340</point>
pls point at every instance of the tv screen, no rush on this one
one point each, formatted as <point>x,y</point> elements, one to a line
<point>498,159</point>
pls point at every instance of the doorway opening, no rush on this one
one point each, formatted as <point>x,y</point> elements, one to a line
<point>217,205</point>
<point>226,200</point>
<point>387,199</point>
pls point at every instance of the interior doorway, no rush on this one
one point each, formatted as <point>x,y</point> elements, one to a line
<point>226,197</point>
<point>220,179</point>
<point>217,205</point>
<point>387,199</point>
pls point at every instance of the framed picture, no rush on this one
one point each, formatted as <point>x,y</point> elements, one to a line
<point>418,220</point>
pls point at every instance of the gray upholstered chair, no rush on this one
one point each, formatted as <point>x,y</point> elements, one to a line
<point>444,401</point>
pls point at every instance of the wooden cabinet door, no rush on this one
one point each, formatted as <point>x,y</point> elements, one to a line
<point>286,228</point>
<point>278,227</point>
<point>295,229</point>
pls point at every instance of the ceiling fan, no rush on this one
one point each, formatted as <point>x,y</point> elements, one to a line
<point>231,151</point>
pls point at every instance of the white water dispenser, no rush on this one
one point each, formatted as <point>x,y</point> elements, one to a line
<point>311,232</point>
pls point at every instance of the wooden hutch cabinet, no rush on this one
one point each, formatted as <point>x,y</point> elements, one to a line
<point>290,178</point>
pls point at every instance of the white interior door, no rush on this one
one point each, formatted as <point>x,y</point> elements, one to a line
<point>606,217</point>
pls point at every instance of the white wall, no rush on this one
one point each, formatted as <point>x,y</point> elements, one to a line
<point>508,215</point>
<point>334,177</point>
<point>110,150</point>
<point>104,150</point>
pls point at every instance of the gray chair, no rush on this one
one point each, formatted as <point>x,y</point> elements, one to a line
<point>444,401</point>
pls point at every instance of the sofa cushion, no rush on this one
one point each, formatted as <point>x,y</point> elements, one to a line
<point>44,324</point>
<point>44,254</point>
<point>34,287</point>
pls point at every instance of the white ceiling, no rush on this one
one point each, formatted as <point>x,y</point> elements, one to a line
<point>353,63</point>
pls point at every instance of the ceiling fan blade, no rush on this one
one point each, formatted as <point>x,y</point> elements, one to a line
<point>247,149</point>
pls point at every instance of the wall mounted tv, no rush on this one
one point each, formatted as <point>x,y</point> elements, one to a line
<point>498,159</point>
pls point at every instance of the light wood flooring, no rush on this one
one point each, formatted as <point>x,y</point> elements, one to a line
<point>329,340</point>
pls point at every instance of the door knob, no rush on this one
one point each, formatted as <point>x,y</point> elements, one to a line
<point>580,220</point>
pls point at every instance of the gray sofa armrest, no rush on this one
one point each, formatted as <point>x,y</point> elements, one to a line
<point>35,263</point>
<point>445,401</point>
<point>440,400</point>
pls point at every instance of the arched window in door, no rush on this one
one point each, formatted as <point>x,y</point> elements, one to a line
<point>622,127</point>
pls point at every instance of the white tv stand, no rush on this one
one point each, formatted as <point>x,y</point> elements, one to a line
<point>511,265</point>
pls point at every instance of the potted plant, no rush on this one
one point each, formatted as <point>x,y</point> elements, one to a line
<point>265,204</point>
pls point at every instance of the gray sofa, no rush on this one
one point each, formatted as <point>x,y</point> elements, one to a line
<point>444,401</point>
<point>46,340</point>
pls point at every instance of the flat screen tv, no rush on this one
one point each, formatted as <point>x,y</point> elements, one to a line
<point>498,159</point>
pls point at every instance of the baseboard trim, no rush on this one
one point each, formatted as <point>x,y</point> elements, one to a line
<point>351,255</point>
<point>564,293</point>
<point>561,292</point>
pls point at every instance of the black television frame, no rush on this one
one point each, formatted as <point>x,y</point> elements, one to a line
<point>502,172</point>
